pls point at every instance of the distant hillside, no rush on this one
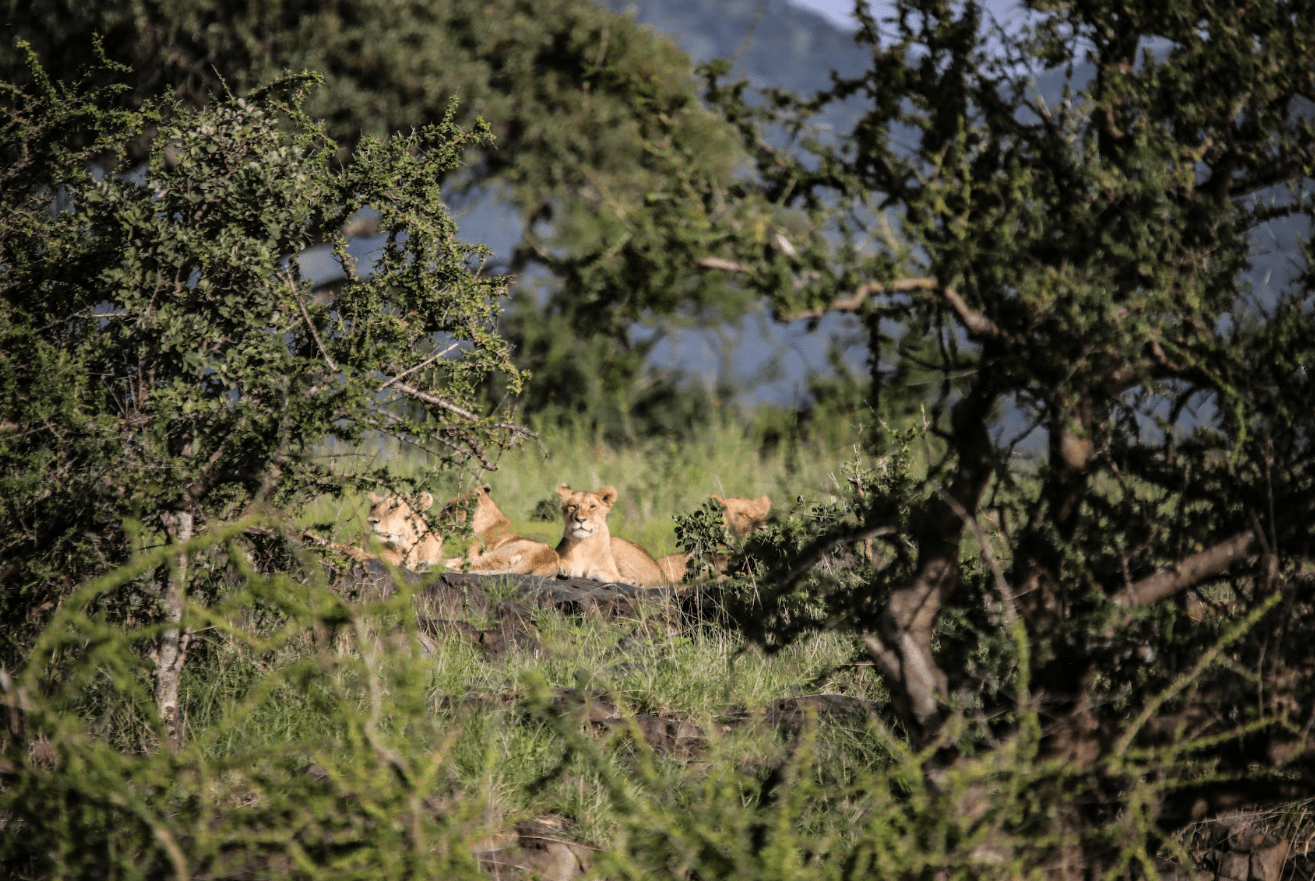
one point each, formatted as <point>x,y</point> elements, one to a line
<point>773,42</point>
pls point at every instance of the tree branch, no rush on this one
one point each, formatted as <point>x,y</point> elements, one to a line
<point>855,301</point>
<point>426,397</point>
<point>1188,572</point>
<point>722,265</point>
<point>170,650</point>
<point>310,325</point>
<point>425,363</point>
<point>903,648</point>
<point>810,556</point>
<point>974,320</point>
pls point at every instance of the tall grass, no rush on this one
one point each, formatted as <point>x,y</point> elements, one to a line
<point>322,741</point>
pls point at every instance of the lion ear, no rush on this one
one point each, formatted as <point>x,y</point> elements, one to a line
<point>563,490</point>
<point>374,499</point>
<point>762,506</point>
<point>720,502</point>
<point>607,495</point>
<point>487,488</point>
<point>426,500</point>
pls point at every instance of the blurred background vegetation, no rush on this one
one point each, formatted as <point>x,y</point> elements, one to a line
<point>1041,507</point>
<point>586,106</point>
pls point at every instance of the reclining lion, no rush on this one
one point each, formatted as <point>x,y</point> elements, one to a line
<point>588,549</point>
<point>741,516</point>
<point>499,549</point>
<point>406,535</point>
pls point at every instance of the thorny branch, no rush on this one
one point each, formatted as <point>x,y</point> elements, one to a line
<point>422,365</point>
<point>426,397</point>
<point>974,320</point>
<point>396,380</point>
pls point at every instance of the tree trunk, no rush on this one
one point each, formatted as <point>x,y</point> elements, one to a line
<point>171,649</point>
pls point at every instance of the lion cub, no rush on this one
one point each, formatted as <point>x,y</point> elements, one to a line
<point>587,548</point>
<point>499,549</point>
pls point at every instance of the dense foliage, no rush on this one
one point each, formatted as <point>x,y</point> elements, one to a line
<point>1079,251</point>
<point>1102,259</point>
<point>588,111</point>
<point>167,368</point>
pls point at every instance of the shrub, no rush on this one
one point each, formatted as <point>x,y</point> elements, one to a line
<point>167,367</point>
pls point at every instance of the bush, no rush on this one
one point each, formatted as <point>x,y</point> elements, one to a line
<point>167,368</point>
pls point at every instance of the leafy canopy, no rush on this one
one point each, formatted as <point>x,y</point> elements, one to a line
<point>1092,238</point>
<point>590,113</point>
<point>161,349</point>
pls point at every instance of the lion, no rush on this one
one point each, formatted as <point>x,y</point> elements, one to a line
<point>637,565</point>
<point>588,549</point>
<point>741,516</point>
<point>585,550</point>
<point>407,538</point>
<point>499,550</point>
<point>350,552</point>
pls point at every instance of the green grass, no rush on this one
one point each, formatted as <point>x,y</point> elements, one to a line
<point>655,480</point>
<point>455,746</point>
<point>420,756</point>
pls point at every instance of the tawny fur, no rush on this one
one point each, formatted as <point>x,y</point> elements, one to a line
<point>585,550</point>
<point>589,550</point>
<point>637,565</point>
<point>499,549</point>
<point>741,516</point>
<point>673,567</point>
<point>407,538</point>
<point>360,555</point>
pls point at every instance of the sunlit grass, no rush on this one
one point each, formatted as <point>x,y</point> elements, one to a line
<point>432,739</point>
<point>655,479</point>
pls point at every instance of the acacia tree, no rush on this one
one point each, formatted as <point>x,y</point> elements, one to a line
<point>576,97</point>
<point>166,367</point>
<point>1093,612</point>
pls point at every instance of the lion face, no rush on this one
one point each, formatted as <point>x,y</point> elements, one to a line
<point>396,523</point>
<point>487,514</point>
<point>584,513</point>
<point>744,516</point>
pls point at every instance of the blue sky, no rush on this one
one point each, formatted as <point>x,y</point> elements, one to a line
<point>839,11</point>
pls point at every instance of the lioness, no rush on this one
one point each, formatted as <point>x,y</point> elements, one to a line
<point>741,516</point>
<point>499,550</point>
<point>351,552</point>
<point>408,541</point>
<point>637,565</point>
<point>587,548</point>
